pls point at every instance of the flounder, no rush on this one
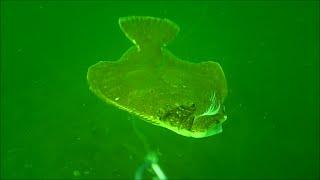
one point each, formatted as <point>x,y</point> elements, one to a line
<point>152,83</point>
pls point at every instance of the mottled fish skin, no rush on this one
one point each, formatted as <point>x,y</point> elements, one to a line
<point>164,90</point>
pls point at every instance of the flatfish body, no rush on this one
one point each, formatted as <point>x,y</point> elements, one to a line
<point>152,83</point>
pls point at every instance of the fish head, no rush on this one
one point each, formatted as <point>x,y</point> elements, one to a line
<point>208,125</point>
<point>185,121</point>
<point>209,122</point>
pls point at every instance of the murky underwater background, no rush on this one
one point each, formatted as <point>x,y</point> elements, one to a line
<point>52,126</point>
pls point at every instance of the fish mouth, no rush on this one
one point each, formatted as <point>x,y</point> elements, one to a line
<point>216,128</point>
<point>208,125</point>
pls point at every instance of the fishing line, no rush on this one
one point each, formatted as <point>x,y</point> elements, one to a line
<point>151,158</point>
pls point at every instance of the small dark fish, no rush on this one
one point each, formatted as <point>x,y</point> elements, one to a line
<point>149,81</point>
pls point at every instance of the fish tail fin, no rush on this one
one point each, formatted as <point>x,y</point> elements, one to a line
<point>145,29</point>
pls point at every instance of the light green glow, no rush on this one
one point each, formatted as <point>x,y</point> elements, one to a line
<point>152,83</point>
<point>214,106</point>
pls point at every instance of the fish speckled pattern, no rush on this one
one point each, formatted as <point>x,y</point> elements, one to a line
<point>149,81</point>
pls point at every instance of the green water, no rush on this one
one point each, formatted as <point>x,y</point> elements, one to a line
<point>52,126</point>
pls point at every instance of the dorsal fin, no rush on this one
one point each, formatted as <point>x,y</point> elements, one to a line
<point>148,30</point>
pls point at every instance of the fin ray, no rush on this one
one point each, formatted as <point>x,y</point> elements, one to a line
<point>146,29</point>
